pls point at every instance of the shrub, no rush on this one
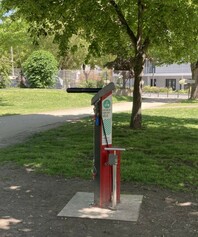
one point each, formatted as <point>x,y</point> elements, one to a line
<point>4,82</point>
<point>4,71</point>
<point>100,83</point>
<point>155,89</point>
<point>89,83</point>
<point>40,69</point>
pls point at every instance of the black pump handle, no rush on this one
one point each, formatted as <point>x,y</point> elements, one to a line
<point>83,90</point>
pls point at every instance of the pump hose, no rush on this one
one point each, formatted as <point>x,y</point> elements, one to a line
<point>103,127</point>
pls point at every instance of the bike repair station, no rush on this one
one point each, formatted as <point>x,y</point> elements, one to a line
<point>106,201</point>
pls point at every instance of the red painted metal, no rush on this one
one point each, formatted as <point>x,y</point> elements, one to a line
<point>105,169</point>
<point>104,180</point>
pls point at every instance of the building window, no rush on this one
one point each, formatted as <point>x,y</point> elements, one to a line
<point>171,83</point>
<point>149,67</point>
<point>153,82</point>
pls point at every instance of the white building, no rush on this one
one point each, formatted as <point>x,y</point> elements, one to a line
<point>166,75</point>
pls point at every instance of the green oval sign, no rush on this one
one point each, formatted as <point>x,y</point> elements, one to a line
<point>107,104</point>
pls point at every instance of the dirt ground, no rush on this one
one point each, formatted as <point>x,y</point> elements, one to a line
<point>30,202</point>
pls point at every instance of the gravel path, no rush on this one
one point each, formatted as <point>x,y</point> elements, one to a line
<point>16,128</point>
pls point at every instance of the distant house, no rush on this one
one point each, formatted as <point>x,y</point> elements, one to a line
<point>159,76</point>
<point>166,75</point>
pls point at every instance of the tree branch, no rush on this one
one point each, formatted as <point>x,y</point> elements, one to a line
<point>146,44</point>
<point>140,16</point>
<point>124,22</point>
<point>140,44</point>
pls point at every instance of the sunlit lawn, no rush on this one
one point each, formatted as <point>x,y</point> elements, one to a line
<point>25,101</point>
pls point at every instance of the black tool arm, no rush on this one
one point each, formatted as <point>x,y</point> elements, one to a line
<point>83,90</point>
<point>100,91</point>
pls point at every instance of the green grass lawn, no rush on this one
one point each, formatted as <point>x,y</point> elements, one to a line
<point>164,153</point>
<point>26,101</point>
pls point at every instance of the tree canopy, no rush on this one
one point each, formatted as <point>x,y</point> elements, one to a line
<point>128,28</point>
<point>13,33</point>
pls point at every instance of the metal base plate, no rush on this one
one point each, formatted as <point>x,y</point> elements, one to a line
<point>81,206</point>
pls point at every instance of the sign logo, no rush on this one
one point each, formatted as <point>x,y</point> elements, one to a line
<point>107,120</point>
<point>107,104</point>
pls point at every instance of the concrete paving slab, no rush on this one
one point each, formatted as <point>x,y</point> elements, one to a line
<point>81,206</point>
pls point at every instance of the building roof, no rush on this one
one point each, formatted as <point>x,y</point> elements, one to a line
<point>173,68</point>
<point>168,70</point>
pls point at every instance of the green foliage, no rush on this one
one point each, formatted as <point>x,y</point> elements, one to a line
<point>89,84</point>
<point>4,81</point>
<point>40,69</point>
<point>100,83</point>
<point>77,54</point>
<point>180,44</point>
<point>14,33</point>
<point>155,89</point>
<point>5,68</point>
<point>100,23</point>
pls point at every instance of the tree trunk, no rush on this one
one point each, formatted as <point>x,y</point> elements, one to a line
<point>136,115</point>
<point>124,79</point>
<point>86,74</point>
<point>140,47</point>
<point>194,90</point>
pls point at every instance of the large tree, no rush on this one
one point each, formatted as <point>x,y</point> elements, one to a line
<point>182,45</point>
<point>194,89</point>
<point>124,27</point>
<point>13,33</point>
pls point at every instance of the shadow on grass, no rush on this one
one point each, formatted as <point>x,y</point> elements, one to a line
<point>160,121</point>
<point>4,103</point>
<point>161,100</point>
<point>190,101</point>
<point>9,114</point>
<point>124,98</point>
<point>164,152</point>
<point>168,100</point>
